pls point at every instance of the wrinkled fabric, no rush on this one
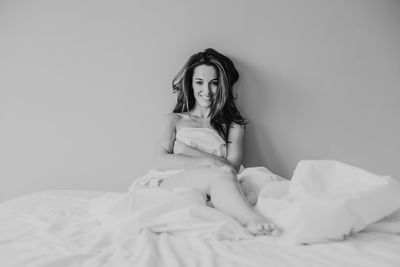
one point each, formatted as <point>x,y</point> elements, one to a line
<point>54,228</point>
<point>253,179</point>
<point>208,140</point>
<point>204,139</point>
<point>328,200</point>
<point>183,211</point>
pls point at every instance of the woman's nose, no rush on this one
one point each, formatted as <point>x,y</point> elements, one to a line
<point>207,89</point>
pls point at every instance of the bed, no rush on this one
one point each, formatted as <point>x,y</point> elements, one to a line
<point>56,228</point>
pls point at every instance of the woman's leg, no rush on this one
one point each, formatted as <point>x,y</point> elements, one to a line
<point>225,192</point>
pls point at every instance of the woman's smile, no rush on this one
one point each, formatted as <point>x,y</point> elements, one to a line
<point>205,84</point>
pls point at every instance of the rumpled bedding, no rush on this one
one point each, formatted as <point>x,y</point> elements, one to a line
<point>55,229</point>
<point>324,201</point>
<point>183,211</point>
<point>327,200</point>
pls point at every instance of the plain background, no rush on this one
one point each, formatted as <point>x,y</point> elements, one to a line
<point>84,85</point>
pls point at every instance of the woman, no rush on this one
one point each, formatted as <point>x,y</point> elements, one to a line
<point>206,104</point>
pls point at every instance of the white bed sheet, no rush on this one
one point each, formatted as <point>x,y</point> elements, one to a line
<point>53,228</point>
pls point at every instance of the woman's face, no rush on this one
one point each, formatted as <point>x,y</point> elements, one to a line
<point>205,84</point>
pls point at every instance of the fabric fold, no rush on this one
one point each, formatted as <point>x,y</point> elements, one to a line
<point>328,200</point>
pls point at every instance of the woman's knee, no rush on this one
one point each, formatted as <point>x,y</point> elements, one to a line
<point>229,170</point>
<point>226,173</point>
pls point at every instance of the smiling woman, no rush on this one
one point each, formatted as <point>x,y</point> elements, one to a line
<point>201,145</point>
<point>205,84</point>
<point>222,75</point>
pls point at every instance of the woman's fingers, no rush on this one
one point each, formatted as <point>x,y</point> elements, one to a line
<point>275,230</point>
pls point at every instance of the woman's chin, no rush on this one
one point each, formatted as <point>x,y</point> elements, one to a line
<point>204,104</point>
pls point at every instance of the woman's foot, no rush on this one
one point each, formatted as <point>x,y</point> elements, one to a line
<point>258,225</point>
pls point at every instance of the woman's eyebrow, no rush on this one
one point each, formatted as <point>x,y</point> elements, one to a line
<point>216,79</point>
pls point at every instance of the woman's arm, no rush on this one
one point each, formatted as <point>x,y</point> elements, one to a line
<point>234,149</point>
<point>164,157</point>
<point>235,146</point>
<point>183,149</point>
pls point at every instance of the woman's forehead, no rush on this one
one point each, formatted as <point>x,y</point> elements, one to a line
<point>205,71</point>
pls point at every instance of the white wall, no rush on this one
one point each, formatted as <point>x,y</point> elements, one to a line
<point>84,84</point>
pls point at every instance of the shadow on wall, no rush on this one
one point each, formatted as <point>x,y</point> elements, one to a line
<point>254,95</point>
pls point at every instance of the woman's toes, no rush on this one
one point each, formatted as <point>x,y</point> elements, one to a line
<point>254,229</point>
<point>259,228</point>
<point>263,229</point>
<point>276,232</point>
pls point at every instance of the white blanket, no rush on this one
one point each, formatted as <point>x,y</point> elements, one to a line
<point>325,200</point>
<point>328,200</point>
<point>54,229</point>
<point>183,211</point>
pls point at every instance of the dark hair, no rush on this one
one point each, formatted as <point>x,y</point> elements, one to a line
<point>223,111</point>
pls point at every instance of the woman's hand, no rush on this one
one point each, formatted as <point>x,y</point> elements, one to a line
<point>172,154</point>
<point>211,159</point>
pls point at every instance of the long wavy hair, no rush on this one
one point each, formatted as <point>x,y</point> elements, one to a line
<point>223,110</point>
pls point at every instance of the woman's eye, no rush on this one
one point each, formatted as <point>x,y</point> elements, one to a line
<point>214,83</point>
<point>199,83</point>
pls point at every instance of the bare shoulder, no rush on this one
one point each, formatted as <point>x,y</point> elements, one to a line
<point>173,119</point>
